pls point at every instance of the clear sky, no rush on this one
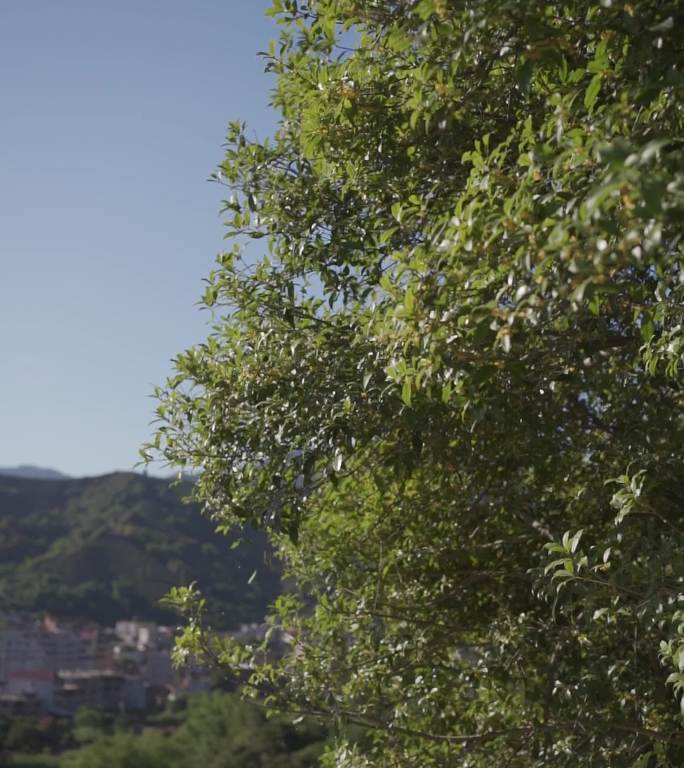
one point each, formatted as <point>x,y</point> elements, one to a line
<point>112,116</point>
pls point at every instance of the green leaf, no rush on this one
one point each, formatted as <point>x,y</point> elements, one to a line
<point>592,91</point>
<point>407,391</point>
<point>409,301</point>
<point>446,392</point>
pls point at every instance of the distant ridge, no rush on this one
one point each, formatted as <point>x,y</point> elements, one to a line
<point>33,473</point>
<point>108,548</point>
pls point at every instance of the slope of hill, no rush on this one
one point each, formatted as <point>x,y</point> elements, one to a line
<point>30,471</point>
<point>109,547</point>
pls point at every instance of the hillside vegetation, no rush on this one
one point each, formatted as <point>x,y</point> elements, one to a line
<point>110,547</point>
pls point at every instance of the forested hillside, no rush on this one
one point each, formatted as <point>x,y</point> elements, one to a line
<point>110,547</point>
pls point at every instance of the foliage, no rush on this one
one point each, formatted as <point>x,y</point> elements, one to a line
<point>88,724</point>
<point>34,761</point>
<point>220,731</point>
<point>451,388</point>
<point>108,548</point>
<point>153,750</point>
<point>29,734</point>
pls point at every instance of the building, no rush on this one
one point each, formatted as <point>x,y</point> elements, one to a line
<point>98,689</point>
<point>54,667</point>
<point>32,652</point>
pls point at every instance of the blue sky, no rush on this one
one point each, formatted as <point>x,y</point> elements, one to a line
<point>112,116</point>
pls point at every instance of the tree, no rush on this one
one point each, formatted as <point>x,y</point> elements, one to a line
<point>451,388</point>
<point>127,750</point>
<point>219,731</point>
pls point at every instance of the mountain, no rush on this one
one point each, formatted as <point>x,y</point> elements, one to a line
<point>110,547</point>
<point>34,473</point>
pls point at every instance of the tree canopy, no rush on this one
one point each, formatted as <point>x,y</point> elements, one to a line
<point>216,731</point>
<point>451,384</point>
